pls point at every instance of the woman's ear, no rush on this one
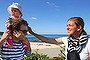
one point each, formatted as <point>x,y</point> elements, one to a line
<point>79,28</point>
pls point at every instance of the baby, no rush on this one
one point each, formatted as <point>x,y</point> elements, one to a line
<point>16,13</point>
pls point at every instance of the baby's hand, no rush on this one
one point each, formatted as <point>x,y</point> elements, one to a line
<point>19,35</point>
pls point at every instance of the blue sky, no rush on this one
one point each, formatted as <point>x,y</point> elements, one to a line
<point>48,16</point>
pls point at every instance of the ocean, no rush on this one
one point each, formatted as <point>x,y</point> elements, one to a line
<point>32,38</point>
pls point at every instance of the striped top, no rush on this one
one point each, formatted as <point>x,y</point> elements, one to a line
<point>15,53</point>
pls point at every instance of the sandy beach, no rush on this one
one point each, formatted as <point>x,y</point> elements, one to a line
<point>51,50</point>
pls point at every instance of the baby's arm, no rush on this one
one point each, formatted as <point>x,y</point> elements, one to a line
<point>10,42</point>
<point>9,28</point>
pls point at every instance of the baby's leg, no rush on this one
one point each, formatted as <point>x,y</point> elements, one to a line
<point>25,46</point>
<point>10,42</point>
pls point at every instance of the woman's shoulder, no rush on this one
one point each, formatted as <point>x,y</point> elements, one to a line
<point>89,38</point>
<point>88,41</point>
<point>65,41</point>
<point>87,44</point>
<point>64,38</point>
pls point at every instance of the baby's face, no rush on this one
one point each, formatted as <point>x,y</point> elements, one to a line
<point>15,12</point>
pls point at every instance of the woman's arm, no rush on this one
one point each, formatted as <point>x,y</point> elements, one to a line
<point>89,56</point>
<point>45,39</point>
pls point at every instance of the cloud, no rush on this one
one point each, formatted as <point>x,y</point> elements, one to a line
<point>33,18</point>
<point>52,4</point>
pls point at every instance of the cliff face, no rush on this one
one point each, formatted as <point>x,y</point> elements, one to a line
<point>1,33</point>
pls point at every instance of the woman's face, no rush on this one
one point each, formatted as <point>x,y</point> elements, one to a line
<point>15,12</point>
<point>24,29</point>
<point>72,28</point>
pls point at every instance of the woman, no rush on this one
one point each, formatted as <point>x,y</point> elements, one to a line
<point>77,41</point>
<point>18,50</point>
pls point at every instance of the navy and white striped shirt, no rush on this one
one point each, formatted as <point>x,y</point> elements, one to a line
<point>15,53</point>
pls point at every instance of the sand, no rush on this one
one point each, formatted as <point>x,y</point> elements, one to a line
<point>51,50</point>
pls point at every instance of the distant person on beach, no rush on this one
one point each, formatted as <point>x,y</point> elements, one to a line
<point>17,52</point>
<point>16,14</point>
<point>77,43</point>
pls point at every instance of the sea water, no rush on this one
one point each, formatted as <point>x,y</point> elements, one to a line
<point>32,38</point>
